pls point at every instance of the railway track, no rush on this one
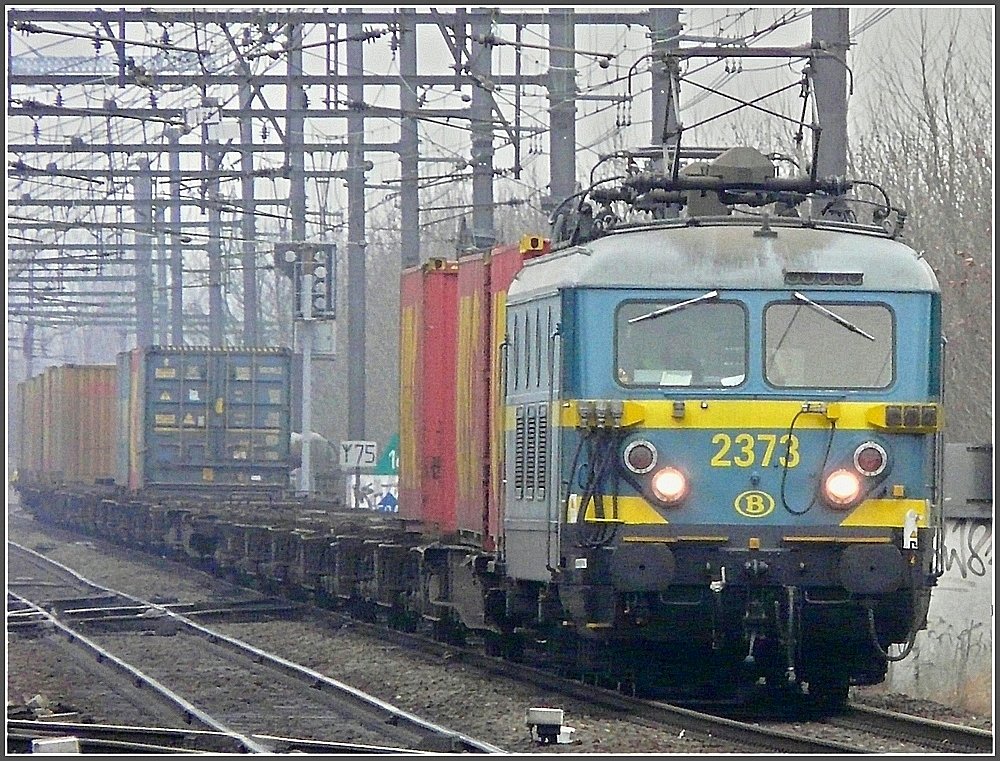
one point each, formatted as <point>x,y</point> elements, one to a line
<point>654,714</point>
<point>874,730</point>
<point>942,736</point>
<point>235,689</point>
<point>109,738</point>
<point>130,618</point>
<point>649,713</point>
<point>826,737</point>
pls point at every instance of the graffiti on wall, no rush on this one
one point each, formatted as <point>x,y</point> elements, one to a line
<point>968,547</point>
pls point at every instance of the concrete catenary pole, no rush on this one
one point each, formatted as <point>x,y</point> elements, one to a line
<point>295,129</point>
<point>664,32</point>
<point>144,255</point>
<point>481,111</point>
<point>162,311</point>
<point>356,243</point>
<point>28,347</point>
<point>248,228</point>
<point>409,142</point>
<point>216,314</point>
<point>562,105</point>
<point>830,31</point>
<point>176,235</point>
<point>294,158</point>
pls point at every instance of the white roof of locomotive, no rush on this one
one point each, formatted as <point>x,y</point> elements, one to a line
<point>726,254</point>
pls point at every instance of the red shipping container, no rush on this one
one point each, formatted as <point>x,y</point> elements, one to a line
<point>472,409</point>
<point>483,280</point>
<point>427,368</point>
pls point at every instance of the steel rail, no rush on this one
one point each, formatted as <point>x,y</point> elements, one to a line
<point>451,738</point>
<point>943,735</point>
<point>648,712</point>
<point>118,737</point>
<point>189,711</point>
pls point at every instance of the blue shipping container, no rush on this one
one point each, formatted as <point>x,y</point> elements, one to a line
<point>195,416</point>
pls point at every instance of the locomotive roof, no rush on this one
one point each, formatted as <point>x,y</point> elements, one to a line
<point>728,253</point>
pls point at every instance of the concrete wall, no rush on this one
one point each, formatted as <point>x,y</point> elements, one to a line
<point>952,661</point>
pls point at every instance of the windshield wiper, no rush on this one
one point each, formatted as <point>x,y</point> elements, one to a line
<point>835,317</point>
<point>674,307</point>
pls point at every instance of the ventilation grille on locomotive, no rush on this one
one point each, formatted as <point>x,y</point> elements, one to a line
<point>531,451</point>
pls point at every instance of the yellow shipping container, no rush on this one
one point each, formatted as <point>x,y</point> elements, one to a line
<point>67,425</point>
<point>30,429</point>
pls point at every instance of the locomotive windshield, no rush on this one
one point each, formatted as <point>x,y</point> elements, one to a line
<point>806,347</point>
<point>693,342</point>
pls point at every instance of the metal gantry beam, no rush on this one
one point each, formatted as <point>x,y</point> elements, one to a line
<point>287,16</point>
<point>247,145</point>
<point>484,114</point>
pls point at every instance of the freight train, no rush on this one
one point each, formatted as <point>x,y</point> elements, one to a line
<point>689,442</point>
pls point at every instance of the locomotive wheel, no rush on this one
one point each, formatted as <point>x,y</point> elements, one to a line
<point>829,697</point>
<point>448,631</point>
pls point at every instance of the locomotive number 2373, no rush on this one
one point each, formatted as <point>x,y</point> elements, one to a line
<point>746,449</point>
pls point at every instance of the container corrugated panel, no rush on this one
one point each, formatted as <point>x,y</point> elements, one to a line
<point>50,420</point>
<point>83,423</point>
<point>15,432</point>
<point>472,396</point>
<point>428,317</point>
<point>21,423</point>
<point>505,262</point>
<point>31,426</point>
<point>130,442</point>
<point>207,417</point>
<point>68,416</point>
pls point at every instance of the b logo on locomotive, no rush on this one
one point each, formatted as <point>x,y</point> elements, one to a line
<point>754,504</point>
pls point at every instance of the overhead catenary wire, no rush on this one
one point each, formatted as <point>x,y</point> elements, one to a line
<point>207,42</point>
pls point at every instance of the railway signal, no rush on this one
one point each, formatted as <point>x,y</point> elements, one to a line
<point>313,273</point>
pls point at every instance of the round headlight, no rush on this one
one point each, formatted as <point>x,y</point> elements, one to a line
<point>842,487</point>
<point>640,456</point>
<point>870,459</point>
<point>669,485</point>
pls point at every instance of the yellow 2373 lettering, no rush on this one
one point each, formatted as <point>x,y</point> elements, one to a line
<point>746,449</point>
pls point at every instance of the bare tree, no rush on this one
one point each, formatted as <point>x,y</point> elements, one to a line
<point>930,145</point>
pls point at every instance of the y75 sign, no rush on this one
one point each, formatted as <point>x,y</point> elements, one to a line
<point>358,454</point>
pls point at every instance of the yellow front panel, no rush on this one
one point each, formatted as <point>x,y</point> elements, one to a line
<point>738,413</point>
<point>887,512</point>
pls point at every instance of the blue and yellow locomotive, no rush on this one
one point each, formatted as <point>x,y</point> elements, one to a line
<point>722,435</point>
